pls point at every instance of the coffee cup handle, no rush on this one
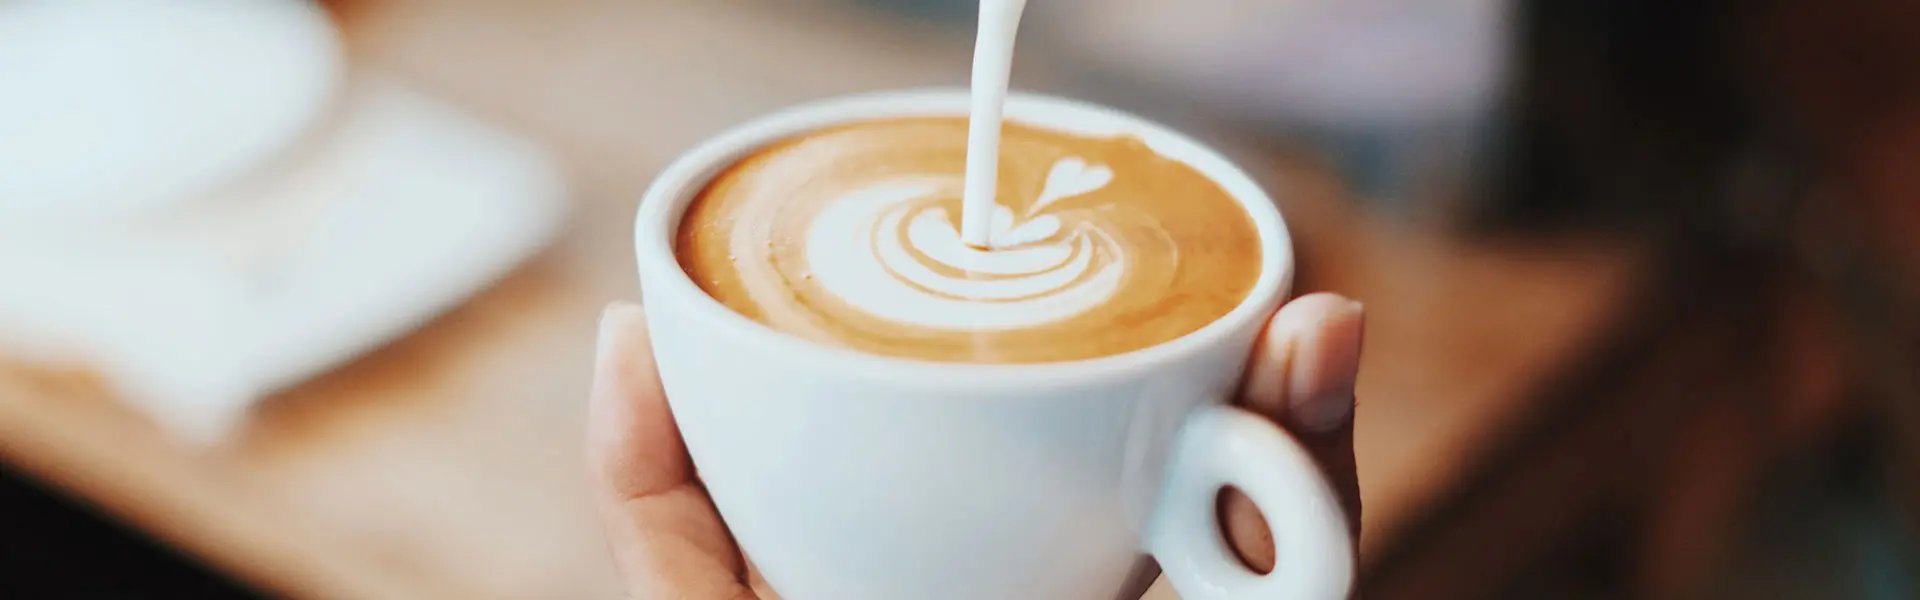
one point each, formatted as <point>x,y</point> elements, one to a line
<point>1222,446</point>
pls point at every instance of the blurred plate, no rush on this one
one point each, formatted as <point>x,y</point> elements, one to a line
<point>108,107</point>
<point>395,213</point>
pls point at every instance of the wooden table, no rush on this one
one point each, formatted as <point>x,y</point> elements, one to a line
<point>446,465</point>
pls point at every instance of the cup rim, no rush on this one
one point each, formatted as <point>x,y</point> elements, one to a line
<point>672,191</point>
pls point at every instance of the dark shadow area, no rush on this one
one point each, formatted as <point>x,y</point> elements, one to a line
<point>51,547</point>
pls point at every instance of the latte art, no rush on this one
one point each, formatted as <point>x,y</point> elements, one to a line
<point>892,250</point>
<point>852,236</point>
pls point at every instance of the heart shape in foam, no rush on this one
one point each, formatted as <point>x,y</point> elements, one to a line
<point>1070,177</point>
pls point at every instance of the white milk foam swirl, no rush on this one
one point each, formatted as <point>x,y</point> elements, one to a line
<point>1040,270</point>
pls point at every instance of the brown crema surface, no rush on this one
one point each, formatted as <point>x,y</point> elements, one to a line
<point>1156,252</point>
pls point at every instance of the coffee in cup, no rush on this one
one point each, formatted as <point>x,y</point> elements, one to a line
<point>850,236</point>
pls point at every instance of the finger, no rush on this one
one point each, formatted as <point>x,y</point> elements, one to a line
<point>666,537</point>
<point>1302,376</point>
<point>760,585</point>
<point>1321,376</point>
<point>1303,371</point>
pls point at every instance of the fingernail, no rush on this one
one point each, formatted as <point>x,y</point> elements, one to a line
<point>617,317</point>
<point>1326,363</point>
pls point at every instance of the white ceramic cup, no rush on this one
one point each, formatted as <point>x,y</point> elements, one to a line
<point>849,476</point>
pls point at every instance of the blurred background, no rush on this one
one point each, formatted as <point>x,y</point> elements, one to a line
<point>297,299</point>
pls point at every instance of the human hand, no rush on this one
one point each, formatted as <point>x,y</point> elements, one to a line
<point>669,542</point>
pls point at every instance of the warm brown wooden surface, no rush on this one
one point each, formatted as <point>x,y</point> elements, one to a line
<point>446,465</point>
